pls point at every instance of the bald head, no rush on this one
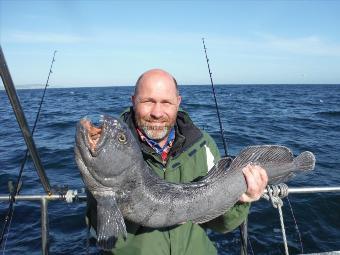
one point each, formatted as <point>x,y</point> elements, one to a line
<point>155,76</point>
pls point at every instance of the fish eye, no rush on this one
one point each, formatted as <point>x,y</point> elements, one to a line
<point>122,138</point>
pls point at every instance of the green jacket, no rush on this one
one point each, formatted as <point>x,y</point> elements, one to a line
<point>193,153</point>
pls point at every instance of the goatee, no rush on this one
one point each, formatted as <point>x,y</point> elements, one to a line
<point>156,133</point>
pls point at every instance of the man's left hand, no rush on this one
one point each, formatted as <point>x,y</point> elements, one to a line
<point>257,179</point>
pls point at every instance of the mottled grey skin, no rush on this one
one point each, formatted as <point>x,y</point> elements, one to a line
<point>124,186</point>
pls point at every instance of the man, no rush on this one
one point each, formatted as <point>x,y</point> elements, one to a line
<point>178,152</point>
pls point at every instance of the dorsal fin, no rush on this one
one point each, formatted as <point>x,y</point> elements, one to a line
<point>262,154</point>
<point>220,168</point>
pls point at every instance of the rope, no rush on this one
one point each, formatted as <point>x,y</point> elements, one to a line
<point>296,226</point>
<point>279,205</point>
<point>70,195</point>
<point>274,194</point>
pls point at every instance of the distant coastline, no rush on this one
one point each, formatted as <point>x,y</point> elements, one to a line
<point>42,86</point>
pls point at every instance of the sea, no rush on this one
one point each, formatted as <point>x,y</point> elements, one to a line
<point>301,117</point>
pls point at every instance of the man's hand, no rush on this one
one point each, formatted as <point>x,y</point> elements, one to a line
<point>257,179</point>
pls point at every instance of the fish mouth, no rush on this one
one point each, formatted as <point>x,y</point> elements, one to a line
<point>93,135</point>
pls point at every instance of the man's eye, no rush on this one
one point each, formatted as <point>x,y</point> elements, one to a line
<point>166,103</point>
<point>147,102</point>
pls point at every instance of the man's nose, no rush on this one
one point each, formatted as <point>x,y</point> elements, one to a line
<point>156,111</point>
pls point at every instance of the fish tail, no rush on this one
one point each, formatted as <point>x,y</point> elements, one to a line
<point>305,161</point>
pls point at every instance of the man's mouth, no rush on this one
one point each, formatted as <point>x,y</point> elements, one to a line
<point>160,123</point>
<point>155,127</point>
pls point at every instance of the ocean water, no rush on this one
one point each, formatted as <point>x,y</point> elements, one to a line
<point>302,117</point>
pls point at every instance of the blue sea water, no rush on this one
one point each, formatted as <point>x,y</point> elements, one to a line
<point>302,117</point>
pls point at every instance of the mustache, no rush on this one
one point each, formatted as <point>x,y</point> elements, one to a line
<point>156,128</point>
<point>155,120</point>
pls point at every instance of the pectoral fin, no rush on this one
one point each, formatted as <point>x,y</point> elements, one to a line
<point>110,222</point>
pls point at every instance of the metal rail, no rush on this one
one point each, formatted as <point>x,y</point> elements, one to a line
<point>44,227</point>
<point>70,196</point>
<point>304,190</point>
<point>313,190</point>
<point>80,198</point>
<point>275,193</point>
<point>73,196</point>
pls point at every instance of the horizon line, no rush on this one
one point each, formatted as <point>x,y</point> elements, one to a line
<point>41,86</point>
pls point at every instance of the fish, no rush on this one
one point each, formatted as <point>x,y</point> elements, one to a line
<point>125,187</point>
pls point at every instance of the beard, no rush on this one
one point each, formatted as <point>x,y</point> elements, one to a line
<point>155,129</point>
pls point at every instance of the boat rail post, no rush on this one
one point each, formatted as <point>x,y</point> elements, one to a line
<point>44,226</point>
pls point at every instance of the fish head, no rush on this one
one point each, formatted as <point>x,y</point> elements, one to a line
<point>104,153</point>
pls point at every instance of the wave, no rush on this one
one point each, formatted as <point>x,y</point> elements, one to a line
<point>328,113</point>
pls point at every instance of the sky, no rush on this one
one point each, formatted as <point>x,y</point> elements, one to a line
<point>108,43</point>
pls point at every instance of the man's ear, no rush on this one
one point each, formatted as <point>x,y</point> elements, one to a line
<point>133,97</point>
<point>179,100</point>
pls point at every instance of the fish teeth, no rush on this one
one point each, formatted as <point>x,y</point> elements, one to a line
<point>86,118</point>
<point>101,118</point>
<point>94,119</point>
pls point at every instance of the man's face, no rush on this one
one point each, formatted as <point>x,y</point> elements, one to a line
<point>156,104</point>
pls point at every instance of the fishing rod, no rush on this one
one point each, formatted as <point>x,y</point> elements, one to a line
<point>243,227</point>
<point>217,109</point>
<point>28,136</point>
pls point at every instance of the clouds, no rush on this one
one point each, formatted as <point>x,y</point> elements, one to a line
<point>40,37</point>
<point>272,44</point>
<point>119,55</point>
<point>309,45</point>
<point>111,42</point>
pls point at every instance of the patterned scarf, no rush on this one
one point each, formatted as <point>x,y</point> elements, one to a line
<point>163,151</point>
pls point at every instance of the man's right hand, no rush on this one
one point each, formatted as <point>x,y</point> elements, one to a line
<point>257,180</point>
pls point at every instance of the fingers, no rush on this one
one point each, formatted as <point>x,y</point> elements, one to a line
<point>257,179</point>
